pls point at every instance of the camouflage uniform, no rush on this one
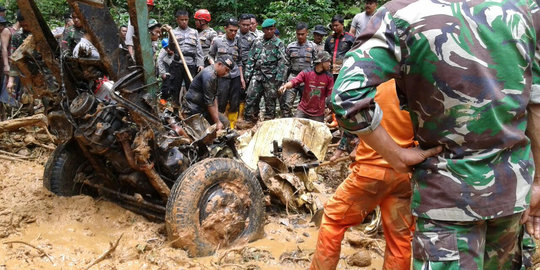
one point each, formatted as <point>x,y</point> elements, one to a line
<point>265,70</point>
<point>206,37</point>
<point>299,57</point>
<point>466,74</point>
<point>229,87</point>
<point>72,35</point>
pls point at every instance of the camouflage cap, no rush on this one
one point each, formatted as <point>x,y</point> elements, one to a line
<point>227,60</point>
<point>152,23</point>
<point>268,23</point>
<point>323,56</point>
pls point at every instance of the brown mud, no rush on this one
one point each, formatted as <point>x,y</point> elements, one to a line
<point>39,230</point>
<point>71,233</point>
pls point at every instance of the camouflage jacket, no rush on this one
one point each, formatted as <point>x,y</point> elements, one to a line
<point>206,37</point>
<point>246,40</point>
<point>70,38</point>
<point>465,71</point>
<point>188,40</point>
<point>300,57</point>
<point>266,60</point>
<point>224,46</point>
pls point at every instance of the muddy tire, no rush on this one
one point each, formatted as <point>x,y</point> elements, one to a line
<point>217,202</point>
<point>61,170</point>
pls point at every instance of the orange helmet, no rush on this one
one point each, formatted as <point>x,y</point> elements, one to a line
<point>150,2</point>
<point>203,14</point>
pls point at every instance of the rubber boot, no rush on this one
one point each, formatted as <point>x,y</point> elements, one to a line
<point>241,108</point>
<point>232,119</point>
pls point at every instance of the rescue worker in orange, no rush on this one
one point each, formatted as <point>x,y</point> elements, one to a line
<point>372,182</point>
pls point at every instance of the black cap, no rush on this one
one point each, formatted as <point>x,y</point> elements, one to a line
<point>319,29</point>
<point>3,20</point>
<point>2,8</point>
<point>227,60</point>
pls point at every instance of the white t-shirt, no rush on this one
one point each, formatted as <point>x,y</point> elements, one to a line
<point>89,50</point>
<point>359,22</point>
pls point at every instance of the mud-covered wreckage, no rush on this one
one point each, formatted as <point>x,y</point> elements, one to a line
<point>114,141</point>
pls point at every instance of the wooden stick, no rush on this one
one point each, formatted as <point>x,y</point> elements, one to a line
<point>107,253</point>
<point>15,124</point>
<point>15,155</point>
<point>42,145</point>
<point>11,158</point>
<point>32,246</point>
<point>169,29</point>
<point>326,163</point>
<point>332,145</point>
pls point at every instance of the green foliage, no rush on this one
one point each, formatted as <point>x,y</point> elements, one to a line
<point>287,13</point>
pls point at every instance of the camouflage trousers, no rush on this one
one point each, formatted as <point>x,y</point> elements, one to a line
<point>286,102</point>
<point>258,89</point>
<point>486,244</point>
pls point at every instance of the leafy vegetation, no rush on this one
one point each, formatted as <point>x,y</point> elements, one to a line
<point>287,13</point>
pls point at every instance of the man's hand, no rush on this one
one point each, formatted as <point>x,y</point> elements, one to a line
<point>10,86</point>
<point>6,70</point>
<point>282,89</point>
<point>219,125</point>
<point>243,82</point>
<point>531,217</point>
<point>199,69</point>
<point>408,157</point>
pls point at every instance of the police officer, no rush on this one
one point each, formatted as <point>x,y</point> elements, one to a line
<point>202,95</point>
<point>229,87</point>
<point>206,33</point>
<point>300,55</point>
<point>188,39</point>
<point>246,39</point>
<point>266,66</point>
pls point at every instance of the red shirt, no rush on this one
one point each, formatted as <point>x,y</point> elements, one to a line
<point>316,88</point>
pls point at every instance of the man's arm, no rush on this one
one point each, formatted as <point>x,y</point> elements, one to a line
<point>354,24</point>
<point>200,55</point>
<point>212,53</point>
<point>5,36</point>
<point>161,63</point>
<point>214,114</point>
<point>531,217</point>
<point>401,159</point>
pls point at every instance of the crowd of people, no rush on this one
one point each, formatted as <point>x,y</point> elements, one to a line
<point>466,141</point>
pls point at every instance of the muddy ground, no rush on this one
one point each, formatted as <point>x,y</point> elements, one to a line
<point>39,230</point>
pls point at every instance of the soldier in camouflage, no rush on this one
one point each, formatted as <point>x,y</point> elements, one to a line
<point>72,35</point>
<point>230,86</point>
<point>206,33</point>
<point>264,72</point>
<point>467,74</point>
<point>299,55</point>
<point>188,40</point>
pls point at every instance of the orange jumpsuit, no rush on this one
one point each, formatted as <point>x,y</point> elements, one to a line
<point>372,182</point>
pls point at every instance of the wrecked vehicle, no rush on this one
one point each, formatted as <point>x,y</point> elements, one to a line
<point>115,142</point>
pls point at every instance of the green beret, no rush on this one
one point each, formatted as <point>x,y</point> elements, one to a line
<point>268,23</point>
